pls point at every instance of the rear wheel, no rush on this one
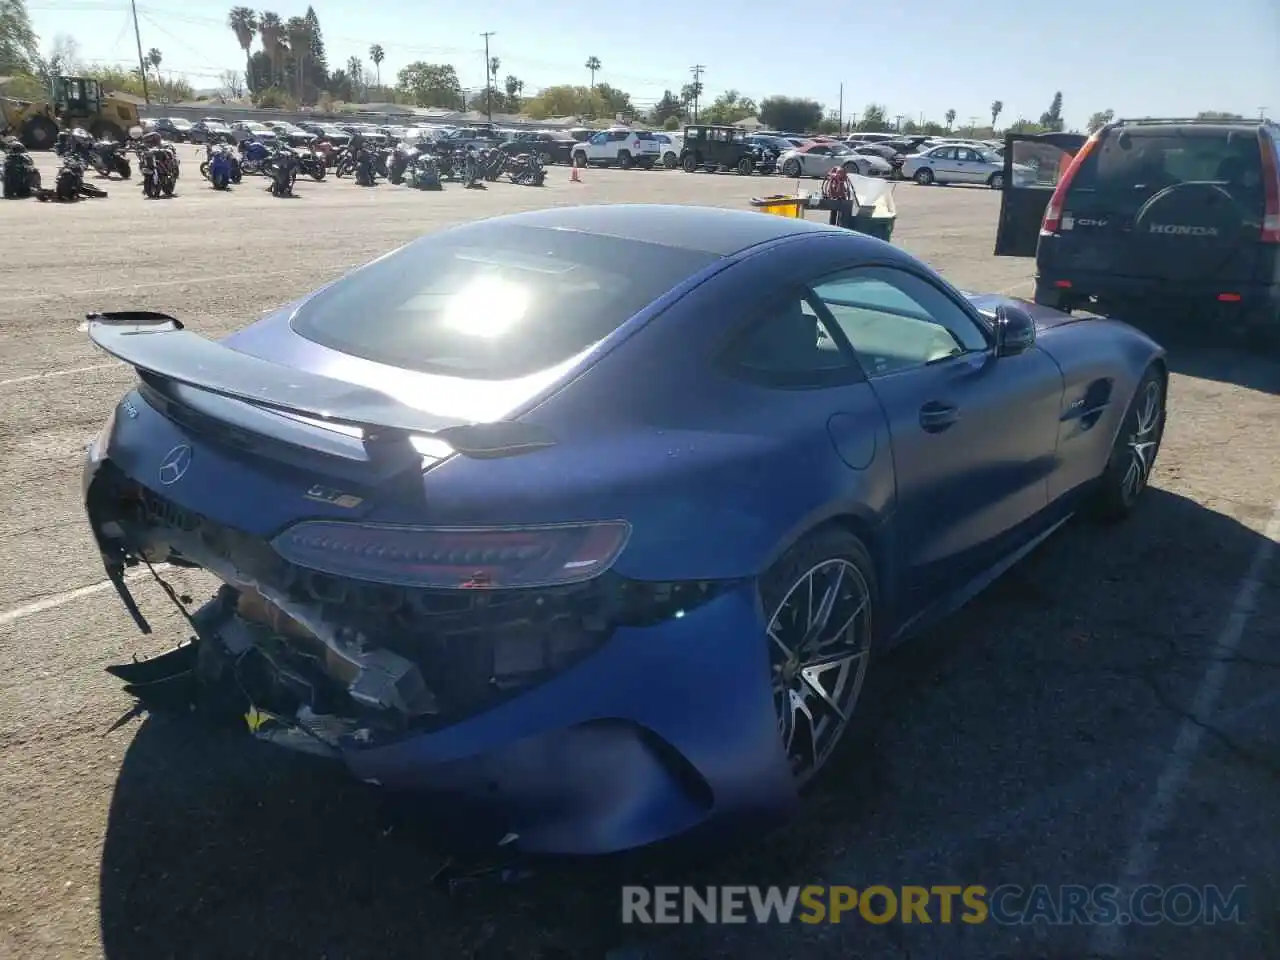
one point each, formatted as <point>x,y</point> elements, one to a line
<point>39,134</point>
<point>670,160</point>
<point>924,176</point>
<point>791,168</point>
<point>852,167</point>
<point>819,598</point>
<point>745,167</point>
<point>996,181</point>
<point>625,160</point>
<point>689,163</point>
<point>1133,455</point>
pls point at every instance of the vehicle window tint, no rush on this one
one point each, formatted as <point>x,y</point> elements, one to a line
<point>1130,166</point>
<point>897,321</point>
<point>490,302</point>
<point>969,155</point>
<point>788,345</point>
<point>943,153</point>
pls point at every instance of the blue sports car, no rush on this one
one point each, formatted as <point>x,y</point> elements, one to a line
<point>583,524</point>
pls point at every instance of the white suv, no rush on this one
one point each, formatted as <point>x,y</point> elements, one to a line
<point>622,146</point>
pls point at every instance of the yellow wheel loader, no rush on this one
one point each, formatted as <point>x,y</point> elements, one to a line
<point>76,102</point>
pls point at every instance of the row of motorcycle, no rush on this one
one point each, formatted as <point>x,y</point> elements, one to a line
<point>421,164</point>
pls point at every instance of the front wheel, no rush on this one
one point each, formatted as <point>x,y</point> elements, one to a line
<point>317,171</point>
<point>820,599</point>
<point>689,163</point>
<point>626,161</point>
<point>791,168</point>
<point>924,176</point>
<point>745,167</point>
<point>670,161</point>
<point>996,182</point>
<point>1133,455</point>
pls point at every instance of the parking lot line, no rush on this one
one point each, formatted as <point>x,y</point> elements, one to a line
<point>32,377</point>
<point>61,599</point>
<point>1108,940</point>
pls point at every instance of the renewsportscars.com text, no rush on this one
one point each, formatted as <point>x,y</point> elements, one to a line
<point>1008,904</point>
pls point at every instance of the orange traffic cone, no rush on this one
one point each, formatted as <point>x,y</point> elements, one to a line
<point>575,177</point>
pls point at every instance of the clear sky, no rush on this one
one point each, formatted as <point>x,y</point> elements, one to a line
<point>1141,57</point>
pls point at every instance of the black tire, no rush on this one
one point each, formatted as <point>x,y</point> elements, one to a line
<point>204,169</point>
<point>167,186</point>
<point>924,176</point>
<point>220,181</point>
<point>852,167</point>
<point>996,181</point>
<point>625,160</point>
<point>318,172</point>
<point>1136,447</point>
<point>39,133</point>
<point>670,160</point>
<point>745,167</point>
<point>124,168</point>
<point>646,164</point>
<point>689,163</point>
<point>784,598</point>
<point>791,168</point>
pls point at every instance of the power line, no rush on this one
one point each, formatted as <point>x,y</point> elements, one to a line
<point>142,65</point>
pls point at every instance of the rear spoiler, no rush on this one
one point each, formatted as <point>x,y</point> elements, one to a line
<point>159,348</point>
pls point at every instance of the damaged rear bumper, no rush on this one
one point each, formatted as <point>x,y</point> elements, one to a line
<point>656,727</point>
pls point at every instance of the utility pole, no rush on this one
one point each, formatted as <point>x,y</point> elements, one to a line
<point>840,125</point>
<point>1262,113</point>
<point>488,77</point>
<point>142,64</point>
<point>897,122</point>
<point>973,125</point>
<point>697,70</point>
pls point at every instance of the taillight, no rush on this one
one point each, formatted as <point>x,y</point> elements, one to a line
<point>1270,187</point>
<point>455,557</point>
<point>1053,212</point>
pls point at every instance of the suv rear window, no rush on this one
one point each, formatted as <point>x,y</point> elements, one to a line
<point>493,302</point>
<point>1130,166</point>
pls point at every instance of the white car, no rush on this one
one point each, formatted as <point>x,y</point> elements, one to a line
<point>949,163</point>
<point>620,146</point>
<point>816,159</point>
<point>670,145</point>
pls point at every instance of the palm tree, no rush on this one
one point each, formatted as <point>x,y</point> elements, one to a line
<point>377,55</point>
<point>154,58</point>
<point>244,24</point>
<point>272,31</point>
<point>997,106</point>
<point>593,64</point>
<point>951,117</point>
<point>298,32</point>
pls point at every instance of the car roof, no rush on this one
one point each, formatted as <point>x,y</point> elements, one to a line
<point>713,230</point>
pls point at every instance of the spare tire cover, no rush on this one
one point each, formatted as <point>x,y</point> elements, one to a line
<point>1187,231</point>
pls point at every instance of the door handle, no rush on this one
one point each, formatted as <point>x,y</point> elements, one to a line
<point>936,417</point>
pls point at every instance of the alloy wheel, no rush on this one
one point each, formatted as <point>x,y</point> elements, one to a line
<point>1143,440</point>
<point>820,644</point>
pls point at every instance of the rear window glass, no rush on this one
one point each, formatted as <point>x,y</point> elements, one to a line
<point>1129,167</point>
<point>493,302</point>
<point>644,136</point>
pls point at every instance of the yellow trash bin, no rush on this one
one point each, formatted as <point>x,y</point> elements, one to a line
<point>781,206</point>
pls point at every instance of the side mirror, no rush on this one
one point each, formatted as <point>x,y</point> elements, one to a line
<point>1015,331</point>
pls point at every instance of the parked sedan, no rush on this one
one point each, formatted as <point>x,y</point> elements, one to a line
<point>471,546</point>
<point>816,159</point>
<point>244,130</point>
<point>171,128</point>
<point>290,133</point>
<point>955,164</point>
<point>211,130</point>
<point>550,146</point>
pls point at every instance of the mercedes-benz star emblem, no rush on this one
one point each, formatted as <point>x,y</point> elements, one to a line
<point>175,464</point>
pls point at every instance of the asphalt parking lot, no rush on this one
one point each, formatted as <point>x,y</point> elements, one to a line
<point>1107,713</point>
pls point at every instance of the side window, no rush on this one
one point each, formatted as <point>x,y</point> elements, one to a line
<point>788,346</point>
<point>897,321</point>
<point>944,153</point>
<point>598,139</point>
<point>966,154</point>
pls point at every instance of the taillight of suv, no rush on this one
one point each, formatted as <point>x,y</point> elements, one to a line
<point>1270,187</point>
<point>1053,212</point>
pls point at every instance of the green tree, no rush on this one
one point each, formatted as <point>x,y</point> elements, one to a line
<point>1051,119</point>
<point>1217,115</point>
<point>950,117</point>
<point>317,72</point>
<point>271,31</point>
<point>1100,120</point>
<point>790,113</point>
<point>175,90</point>
<point>668,107</point>
<point>593,65</point>
<point>19,53</point>
<point>997,107</point>
<point>875,118</point>
<point>377,55</point>
<point>153,60</point>
<point>671,123</point>
<point>730,107</point>
<point>690,94</point>
<point>355,72</point>
<point>1024,126</point>
<point>430,84</point>
<point>258,73</point>
<point>63,59</point>
<point>298,33</point>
